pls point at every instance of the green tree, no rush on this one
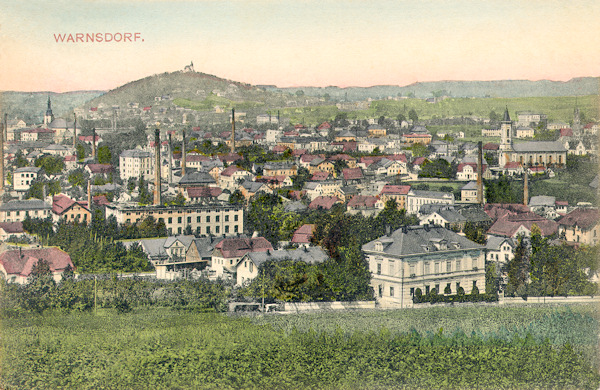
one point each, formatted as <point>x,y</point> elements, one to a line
<point>419,150</point>
<point>52,165</point>
<point>413,116</point>
<point>401,118</point>
<point>104,155</point>
<point>80,151</point>
<point>438,168</point>
<point>517,269</point>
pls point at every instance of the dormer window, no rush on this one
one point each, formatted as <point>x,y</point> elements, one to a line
<point>379,246</point>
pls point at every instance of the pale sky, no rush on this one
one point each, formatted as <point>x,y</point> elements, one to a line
<point>297,43</point>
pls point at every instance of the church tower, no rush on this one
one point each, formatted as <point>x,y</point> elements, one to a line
<point>49,117</point>
<point>577,128</point>
<point>506,139</point>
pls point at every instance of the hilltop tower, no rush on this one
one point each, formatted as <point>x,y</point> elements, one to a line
<point>49,117</point>
<point>506,139</point>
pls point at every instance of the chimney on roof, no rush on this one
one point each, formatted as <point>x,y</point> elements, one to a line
<point>479,172</point>
<point>426,227</point>
<point>94,143</point>
<point>157,167</point>
<point>74,130</point>
<point>89,194</point>
<point>183,155</point>
<point>170,160</point>
<point>233,130</point>
<point>526,188</point>
<point>404,229</point>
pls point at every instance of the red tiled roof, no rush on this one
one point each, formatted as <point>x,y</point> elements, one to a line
<point>194,157</point>
<point>277,179</point>
<point>395,189</point>
<point>291,133</point>
<point>21,262</point>
<point>512,165</point>
<point>561,202</point>
<point>231,157</point>
<point>296,194</point>
<point>583,218</point>
<point>88,138</point>
<point>320,176</point>
<point>12,227</point>
<point>325,202</point>
<point>419,160</point>
<point>491,146</point>
<point>303,234</point>
<point>324,125</point>
<point>204,192</point>
<point>61,203</point>
<point>362,201</point>
<point>342,157</point>
<point>299,126</point>
<point>230,170</point>
<point>298,152</point>
<point>147,108</point>
<point>93,108</point>
<point>306,158</point>
<point>100,168</point>
<point>279,148</point>
<point>238,247</point>
<point>100,200</point>
<point>567,132</point>
<point>506,228</point>
<point>350,146</point>
<point>70,158</point>
<point>352,173</point>
<point>397,157</point>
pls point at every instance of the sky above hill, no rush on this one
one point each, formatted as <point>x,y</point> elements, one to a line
<point>295,43</point>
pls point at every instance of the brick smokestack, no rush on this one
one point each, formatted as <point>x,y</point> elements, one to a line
<point>526,188</point>
<point>479,173</point>
<point>5,132</point>
<point>157,167</point>
<point>89,194</point>
<point>233,130</point>
<point>183,156</point>
<point>94,143</point>
<point>74,130</point>
<point>170,160</point>
<point>2,159</point>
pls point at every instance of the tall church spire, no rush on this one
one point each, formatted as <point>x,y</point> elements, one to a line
<point>49,117</point>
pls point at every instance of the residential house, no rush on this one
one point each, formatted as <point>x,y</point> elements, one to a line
<point>303,235</point>
<point>136,163</point>
<point>278,169</point>
<point>324,202</point>
<point>229,251</point>
<point>16,265</point>
<point>18,210</point>
<point>580,226</point>
<point>24,177</point>
<point>247,266</point>
<point>468,193</point>
<point>69,210</point>
<point>232,177</point>
<point>364,204</point>
<point>512,225</point>
<point>399,193</point>
<point>250,188</point>
<point>417,198</point>
<point>500,249</point>
<point>11,229</point>
<point>426,258</point>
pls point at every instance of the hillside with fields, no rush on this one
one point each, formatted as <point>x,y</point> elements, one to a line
<point>198,91</point>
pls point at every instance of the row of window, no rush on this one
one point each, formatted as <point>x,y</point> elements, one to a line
<point>426,269</point>
<point>427,289</point>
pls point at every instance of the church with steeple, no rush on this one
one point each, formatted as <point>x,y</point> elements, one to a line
<point>531,153</point>
<point>49,117</point>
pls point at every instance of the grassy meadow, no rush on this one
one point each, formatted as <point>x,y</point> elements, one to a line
<point>465,347</point>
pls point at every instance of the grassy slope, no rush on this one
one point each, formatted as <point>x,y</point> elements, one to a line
<point>167,349</point>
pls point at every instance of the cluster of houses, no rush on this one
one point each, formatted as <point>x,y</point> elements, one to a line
<point>207,234</point>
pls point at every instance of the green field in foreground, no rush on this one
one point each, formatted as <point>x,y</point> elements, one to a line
<point>452,347</point>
